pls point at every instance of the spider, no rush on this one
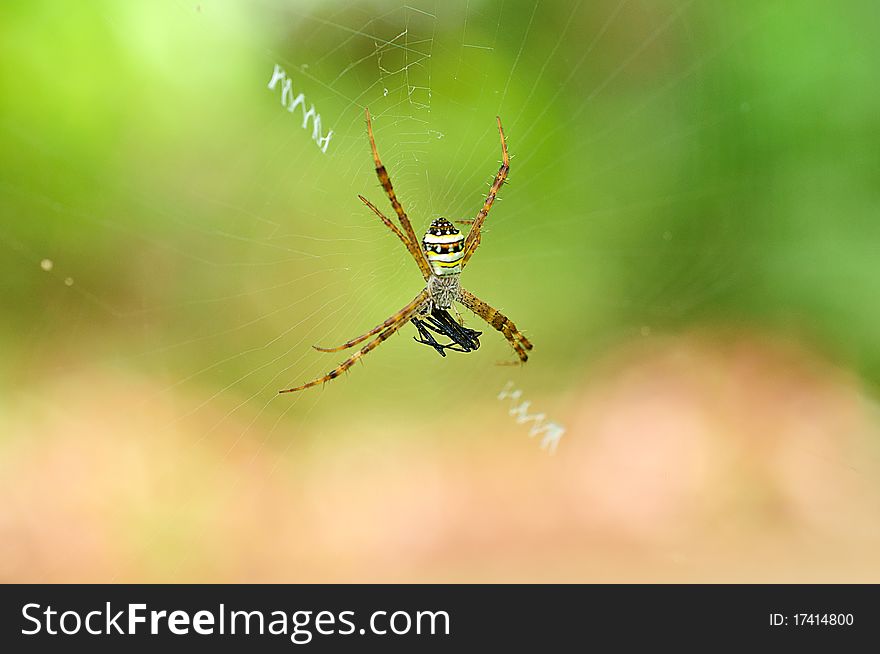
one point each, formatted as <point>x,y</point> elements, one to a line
<point>443,254</point>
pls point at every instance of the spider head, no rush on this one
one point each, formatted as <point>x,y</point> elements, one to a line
<point>444,247</point>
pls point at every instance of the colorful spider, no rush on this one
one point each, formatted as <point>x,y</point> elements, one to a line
<point>443,254</point>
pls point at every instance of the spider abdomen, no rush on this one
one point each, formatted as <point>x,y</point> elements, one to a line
<point>444,247</point>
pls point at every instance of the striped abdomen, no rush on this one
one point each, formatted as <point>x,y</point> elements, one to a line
<point>444,247</point>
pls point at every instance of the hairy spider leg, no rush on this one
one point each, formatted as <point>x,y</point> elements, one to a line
<point>499,321</point>
<point>472,241</point>
<point>413,249</point>
<point>417,302</point>
<point>354,358</point>
<point>385,181</point>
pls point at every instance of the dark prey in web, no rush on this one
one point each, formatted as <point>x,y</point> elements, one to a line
<point>440,322</point>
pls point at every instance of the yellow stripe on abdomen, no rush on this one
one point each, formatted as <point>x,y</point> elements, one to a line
<point>444,247</point>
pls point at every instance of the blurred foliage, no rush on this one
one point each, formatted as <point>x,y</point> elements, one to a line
<point>675,164</point>
<point>691,219</point>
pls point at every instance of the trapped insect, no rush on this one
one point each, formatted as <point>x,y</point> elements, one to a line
<point>443,255</point>
<point>440,322</point>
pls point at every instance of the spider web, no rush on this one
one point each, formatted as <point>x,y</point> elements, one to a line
<point>252,246</point>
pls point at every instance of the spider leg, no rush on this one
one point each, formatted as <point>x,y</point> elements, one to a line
<point>472,242</point>
<point>385,181</point>
<point>413,249</point>
<point>499,321</point>
<point>354,358</point>
<point>416,304</point>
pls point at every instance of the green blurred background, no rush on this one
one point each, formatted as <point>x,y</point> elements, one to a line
<point>689,238</point>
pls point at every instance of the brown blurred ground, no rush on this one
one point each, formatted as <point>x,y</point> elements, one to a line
<point>697,458</point>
